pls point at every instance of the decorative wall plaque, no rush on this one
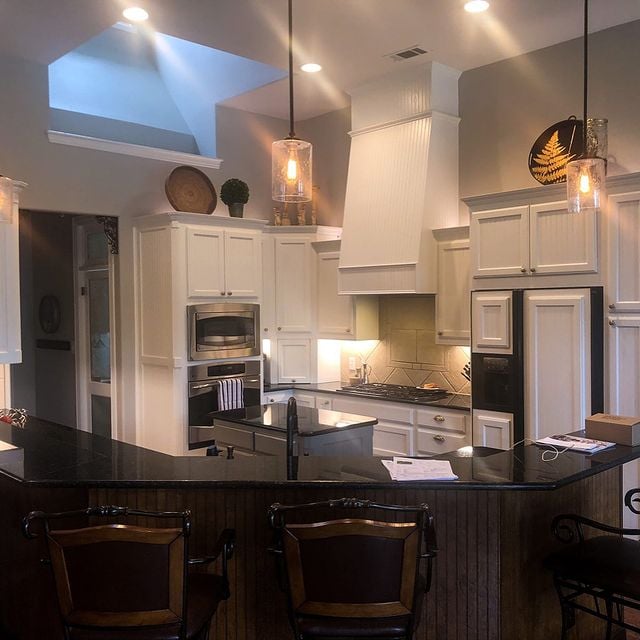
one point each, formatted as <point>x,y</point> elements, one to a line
<point>554,148</point>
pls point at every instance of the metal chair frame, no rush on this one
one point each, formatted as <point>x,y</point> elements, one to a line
<point>427,549</point>
<point>223,548</point>
<point>607,605</point>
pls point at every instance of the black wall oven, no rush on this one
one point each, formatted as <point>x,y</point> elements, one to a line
<point>223,330</point>
<point>204,395</point>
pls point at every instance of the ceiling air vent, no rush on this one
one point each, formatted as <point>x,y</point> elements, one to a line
<point>406,54</point>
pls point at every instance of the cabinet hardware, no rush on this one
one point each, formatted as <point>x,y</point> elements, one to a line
<point>523,270</point>
<point>438,438</point>
<point>348,330</point>
<point>229,293</point>
<point>533,269</point>
<point>439,418</point>
<point>271,400</point>
<point>292,380</point>
<point>612,323</point>
<point>439,333</point>
<point>612,306</point>
<point>224,293</point>
<point>279,328</point>
<point>266,329</point>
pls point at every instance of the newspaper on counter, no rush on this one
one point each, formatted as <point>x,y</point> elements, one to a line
<point>419,469</point>
<point>575,443</point>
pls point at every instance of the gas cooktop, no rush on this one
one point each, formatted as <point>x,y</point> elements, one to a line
<point>395,392</point>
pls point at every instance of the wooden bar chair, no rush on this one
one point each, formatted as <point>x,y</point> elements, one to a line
<point>131,582</point>
<point>599,574</point>
<point>353,577</point>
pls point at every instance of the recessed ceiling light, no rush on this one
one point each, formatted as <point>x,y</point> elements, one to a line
<point>135,14</point>
<point>476,6</point>
<point>311,67</point>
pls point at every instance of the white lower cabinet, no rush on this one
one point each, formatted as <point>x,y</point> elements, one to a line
<point>294,360</point>
<point>272,397</point>
<point>492,429</point>
<point>305,400</point>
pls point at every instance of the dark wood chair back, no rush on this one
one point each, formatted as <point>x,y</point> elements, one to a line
<point>118,575</point>
<point>353,567</point>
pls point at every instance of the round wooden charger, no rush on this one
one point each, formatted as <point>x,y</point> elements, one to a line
<point>188,189</point>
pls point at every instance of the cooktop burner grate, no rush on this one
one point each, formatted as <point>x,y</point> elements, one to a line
<point>395,391</point>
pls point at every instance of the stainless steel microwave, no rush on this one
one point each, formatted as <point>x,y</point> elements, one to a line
<point>223,330</point>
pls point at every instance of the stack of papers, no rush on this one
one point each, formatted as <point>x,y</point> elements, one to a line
<point>575,443</point>
<point>419,469</point>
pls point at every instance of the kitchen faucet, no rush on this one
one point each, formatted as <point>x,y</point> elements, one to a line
<point>292,428</point>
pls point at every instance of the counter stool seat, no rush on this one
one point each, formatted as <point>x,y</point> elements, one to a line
<point>320,627</point>
<point>599,575</point>
<point>129,582</point>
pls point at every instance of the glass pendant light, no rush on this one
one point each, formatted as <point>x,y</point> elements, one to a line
<point>586,188</point>
<point>291,157</point>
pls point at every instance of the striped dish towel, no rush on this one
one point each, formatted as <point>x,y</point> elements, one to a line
<point>230,394</point>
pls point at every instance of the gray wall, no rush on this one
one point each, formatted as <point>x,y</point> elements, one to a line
<point>505,106</point>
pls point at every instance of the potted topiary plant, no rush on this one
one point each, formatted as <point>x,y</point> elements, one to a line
<point>235,194</point>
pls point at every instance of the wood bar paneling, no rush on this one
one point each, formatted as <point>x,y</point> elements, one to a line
<point>488,580</point>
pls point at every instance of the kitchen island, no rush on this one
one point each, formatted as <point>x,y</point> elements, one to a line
<point>492,524</point>
<point>262,430</point>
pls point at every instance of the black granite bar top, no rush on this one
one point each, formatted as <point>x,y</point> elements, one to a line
<point>52,455</point>
<point>458,401</point>
<point>311,422</point>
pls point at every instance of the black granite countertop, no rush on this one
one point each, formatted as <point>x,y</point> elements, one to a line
<point>53,455</point>
<point>458,401</point>
<point>311,422</point>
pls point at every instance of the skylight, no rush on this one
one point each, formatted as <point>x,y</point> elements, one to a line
<point>133,85</point>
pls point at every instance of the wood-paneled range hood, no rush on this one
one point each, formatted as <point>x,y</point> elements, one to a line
<point>402,181</point>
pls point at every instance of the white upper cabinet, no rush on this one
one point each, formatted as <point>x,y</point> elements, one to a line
<point>223,262</point>
<point>294,360</point>
<point>562,242</point>
<point>624,253</point>
<point>293,291</point>
<point>537,239</point>
<point>341,316</point>
<point>500,242</point>
<point>492,322</point>
<point>10,338</point>
<point>453,316</point>
<point>557,355</point>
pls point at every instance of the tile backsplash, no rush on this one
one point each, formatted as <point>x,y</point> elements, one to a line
<point>407,352</point>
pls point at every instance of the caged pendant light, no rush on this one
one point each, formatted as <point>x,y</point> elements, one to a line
<point>586,175</point>
<point>291,157</point>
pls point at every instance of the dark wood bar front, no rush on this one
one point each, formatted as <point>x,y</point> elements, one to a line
<point>492,535</point>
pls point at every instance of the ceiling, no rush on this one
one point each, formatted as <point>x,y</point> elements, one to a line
<point>350,38</point>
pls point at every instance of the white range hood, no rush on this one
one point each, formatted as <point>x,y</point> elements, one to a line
<point>402,181</point>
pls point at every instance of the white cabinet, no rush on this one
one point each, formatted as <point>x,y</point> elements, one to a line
<point>537,239</point>
<point>492,322</point>
<point>293,290</point>
<point>624,253</point>
<point>294,360</point>
<point>492,429</point>
<point>440,431</point>
<point>10,337</point>
<point>453,318</point>
<point>223,262</point>
<point>341,316</point>
<point>557,355</point>
<point>271,397</point>
<point>305,400</point>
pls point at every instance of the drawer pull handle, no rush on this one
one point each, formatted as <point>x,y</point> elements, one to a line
<point>438,438</point>
<point>439,418</point>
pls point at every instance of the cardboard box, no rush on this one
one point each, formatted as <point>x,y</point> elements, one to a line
<point>618,429</point>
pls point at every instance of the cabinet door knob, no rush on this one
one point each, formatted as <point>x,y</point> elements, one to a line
<point>438,438</point>
<point>439,333</point>
<point>612,306</point>
<point>279,328</point>
<point>229,293</point>
<point>348,330</point>
<point>292,380</point>
<point>612,323</point>
<point>266,329</point>
<point>533,269</point>
<point>271,400</point>
<point>223,293</point>
<point>439,418</point>
<point>523,269</point>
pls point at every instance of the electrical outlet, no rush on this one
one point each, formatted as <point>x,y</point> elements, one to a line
<point>352,363</point>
